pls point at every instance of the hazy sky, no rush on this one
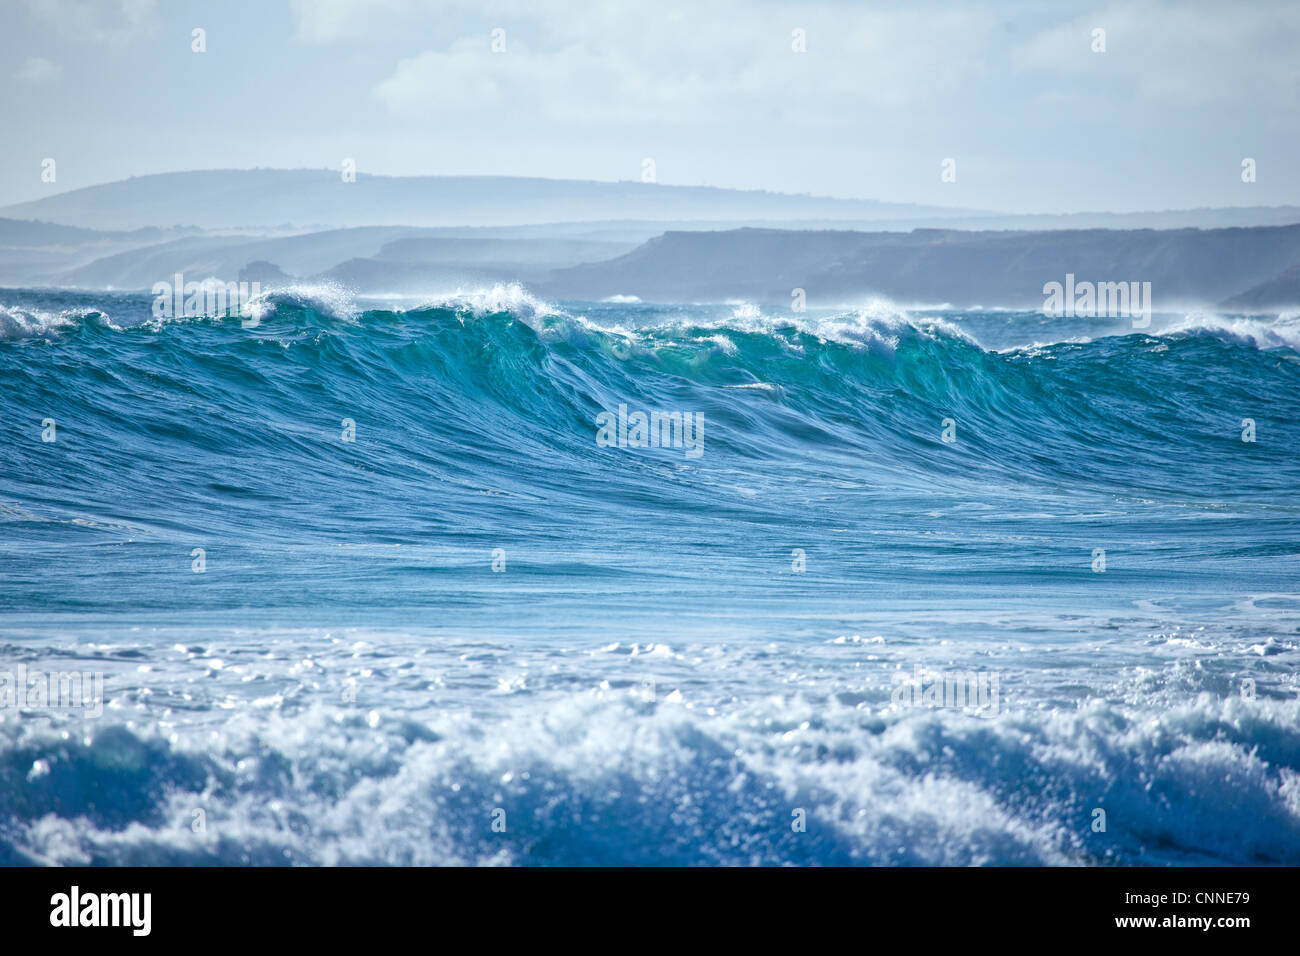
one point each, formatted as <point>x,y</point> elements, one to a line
<point>712,91</point>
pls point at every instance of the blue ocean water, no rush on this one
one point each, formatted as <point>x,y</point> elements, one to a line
<point>364,587</point>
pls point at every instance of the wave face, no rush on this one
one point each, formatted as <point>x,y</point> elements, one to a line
<point>367,584</point>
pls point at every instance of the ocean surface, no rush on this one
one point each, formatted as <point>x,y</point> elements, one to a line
<point>363,586</point>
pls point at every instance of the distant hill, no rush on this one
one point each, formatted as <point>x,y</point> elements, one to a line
<point>302,200</point>
<point>40,253</point>
<point>379,258</point>
<point>269,198</point>
<point>834,260</point>
<point>420,264</point>
<point>1217,217</point>
<point>34,235</point>
<point>222,256</point>
<point>1280,292</point>
<point>1184,266</point>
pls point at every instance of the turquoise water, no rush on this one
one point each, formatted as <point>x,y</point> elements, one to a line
<point>360,576</point>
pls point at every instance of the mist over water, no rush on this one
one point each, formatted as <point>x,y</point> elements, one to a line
<point>465,603</point>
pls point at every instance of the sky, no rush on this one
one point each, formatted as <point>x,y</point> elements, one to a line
<point>713,91</point>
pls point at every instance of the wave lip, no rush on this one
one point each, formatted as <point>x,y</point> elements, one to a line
<point>504,298</point>
<point>877,323</point>
<point>1280,333</point>
<point>17,322</point>
<point>321,298</point>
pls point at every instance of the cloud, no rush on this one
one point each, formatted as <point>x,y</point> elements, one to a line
<point>1190,56</point>
<point>927,69</point>
<point>113,23</point>
<point>571,84</point>
<point>38,71</point>
<point>320,22</point>
<point>648,66</point>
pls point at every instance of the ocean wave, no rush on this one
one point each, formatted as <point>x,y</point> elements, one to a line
<point>505,298</point>
<point>347,478</point>
<point>873,378</point>
<point>330,299</point>
<point>877,323</point>
<point>605,777</point>
<point>1280,333</point>
<point>874,324</point>
<point>29,323</point>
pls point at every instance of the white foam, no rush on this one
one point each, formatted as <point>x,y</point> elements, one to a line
<point>921,787</point>
<point>1281,332</point>
<point>330,298</point>
<point>876,323</point>
<point>21,323</point>
<point>510,298</point>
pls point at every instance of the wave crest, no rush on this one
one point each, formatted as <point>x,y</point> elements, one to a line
<point>1262,334</point>
<point>332,299</point>
<point>17,322</point>
<point>509,298</point>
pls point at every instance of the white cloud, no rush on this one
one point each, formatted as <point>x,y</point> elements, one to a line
<point>656,65</point>
<point>113,23</point>
<point>329,21</point>
<point>38,71</point>
<point>1173,55</point>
